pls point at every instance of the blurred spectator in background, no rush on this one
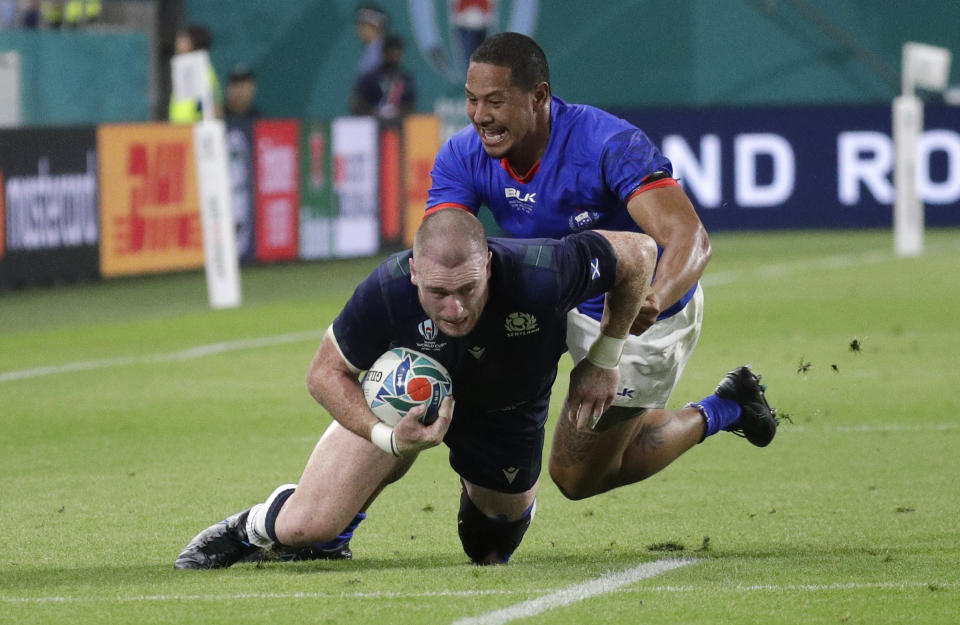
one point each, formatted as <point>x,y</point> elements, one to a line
<point>189,110</point>
<point>78,12</point>
<point>371,28</point>
<point>69,13</point>
<point>8,13</point>
<point>30,16</point>
<point>241,91</point>
<point>472,20</point>
<point>51,13</point>
<point>389,91</point>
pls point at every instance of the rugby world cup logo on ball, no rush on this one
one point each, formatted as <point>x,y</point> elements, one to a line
<point>401,379</point>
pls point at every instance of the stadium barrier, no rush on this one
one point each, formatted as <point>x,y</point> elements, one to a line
<point>77,203</point>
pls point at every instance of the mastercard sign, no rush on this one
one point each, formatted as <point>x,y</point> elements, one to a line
<point>150,215</point>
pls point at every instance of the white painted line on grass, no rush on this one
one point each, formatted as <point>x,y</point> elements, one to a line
<point>288,596</point>
<point>710,279</point>
<point>577,593</point>
<point>931,585</point>
<point>837,261</point>
<point>284,596</point>
<point>871,427</point>
<point>185,354</point>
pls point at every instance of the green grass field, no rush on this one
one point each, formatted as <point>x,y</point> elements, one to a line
<point>121,441</point>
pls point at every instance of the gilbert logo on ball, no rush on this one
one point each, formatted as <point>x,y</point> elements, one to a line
<point>401,379</point>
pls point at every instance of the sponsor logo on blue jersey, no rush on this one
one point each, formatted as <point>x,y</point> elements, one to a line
<point>583,221</point>
<point>520,201</point>
<point>510,192</point>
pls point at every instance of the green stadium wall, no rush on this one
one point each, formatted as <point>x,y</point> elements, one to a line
<point>619,54</point>
<point>81,77</point>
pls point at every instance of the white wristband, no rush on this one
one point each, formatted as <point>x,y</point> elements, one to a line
<point>383,436</point>
<point>605,352</point>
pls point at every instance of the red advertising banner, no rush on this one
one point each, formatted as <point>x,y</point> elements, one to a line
<point>149,212</point>
<point>391,185</point>
<point>277,188</point>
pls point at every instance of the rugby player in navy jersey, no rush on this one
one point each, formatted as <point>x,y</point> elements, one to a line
<point>494,314</point>
<point>547,168</point>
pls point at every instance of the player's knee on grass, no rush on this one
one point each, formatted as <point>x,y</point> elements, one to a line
<point>486,540</point>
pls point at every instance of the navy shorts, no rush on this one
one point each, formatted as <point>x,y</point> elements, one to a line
<point>500,450</point>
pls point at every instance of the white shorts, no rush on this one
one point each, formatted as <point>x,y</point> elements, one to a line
<point>652,363</point>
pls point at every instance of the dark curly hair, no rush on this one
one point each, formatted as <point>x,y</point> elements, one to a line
<point>521,54</point>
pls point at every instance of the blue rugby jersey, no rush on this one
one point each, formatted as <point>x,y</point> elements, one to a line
<point>508,362</point>
<point>594,163</point>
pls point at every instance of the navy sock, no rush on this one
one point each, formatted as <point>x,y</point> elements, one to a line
<point>273,512</point>
<point>718,413</point>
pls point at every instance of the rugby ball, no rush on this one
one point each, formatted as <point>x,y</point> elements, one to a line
<point>401,379</point>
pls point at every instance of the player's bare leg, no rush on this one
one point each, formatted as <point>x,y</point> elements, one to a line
<point>585,463</point>
<point>344,475</point>
<point>314,519</point>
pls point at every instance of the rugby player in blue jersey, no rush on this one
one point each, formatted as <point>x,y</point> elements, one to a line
<point>494,313</point>
<point>547,168</point>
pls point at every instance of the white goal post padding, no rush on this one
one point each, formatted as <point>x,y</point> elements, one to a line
<point>926,67</point>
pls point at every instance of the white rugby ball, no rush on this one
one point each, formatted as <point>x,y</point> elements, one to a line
<point>401,379</point>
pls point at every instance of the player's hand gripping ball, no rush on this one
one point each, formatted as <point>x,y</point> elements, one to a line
<point>401,379</point>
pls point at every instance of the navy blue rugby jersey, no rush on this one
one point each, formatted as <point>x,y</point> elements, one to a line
<point>509,359</point>
<point>594,164</point>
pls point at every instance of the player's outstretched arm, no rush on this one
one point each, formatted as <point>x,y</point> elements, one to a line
<point>636,261</point>
<point>593,382</point>
<point>667,215</point>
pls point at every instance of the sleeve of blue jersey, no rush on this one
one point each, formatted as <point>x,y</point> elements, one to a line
<point>628,158</point>
<point>587,266</point>
<point>451,179</point>
<point>360,328</point>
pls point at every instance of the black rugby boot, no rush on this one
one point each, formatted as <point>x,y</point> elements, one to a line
<point>218,546</point>
<point>758,421</point>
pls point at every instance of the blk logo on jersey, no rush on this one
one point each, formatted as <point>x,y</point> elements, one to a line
<point>427,329</point>
<point>510,192</point>
<point>521,324</point>
<point>522,202</point>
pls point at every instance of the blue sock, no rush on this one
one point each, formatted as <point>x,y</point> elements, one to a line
<point>344,536</point>
<point>718,413</point>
